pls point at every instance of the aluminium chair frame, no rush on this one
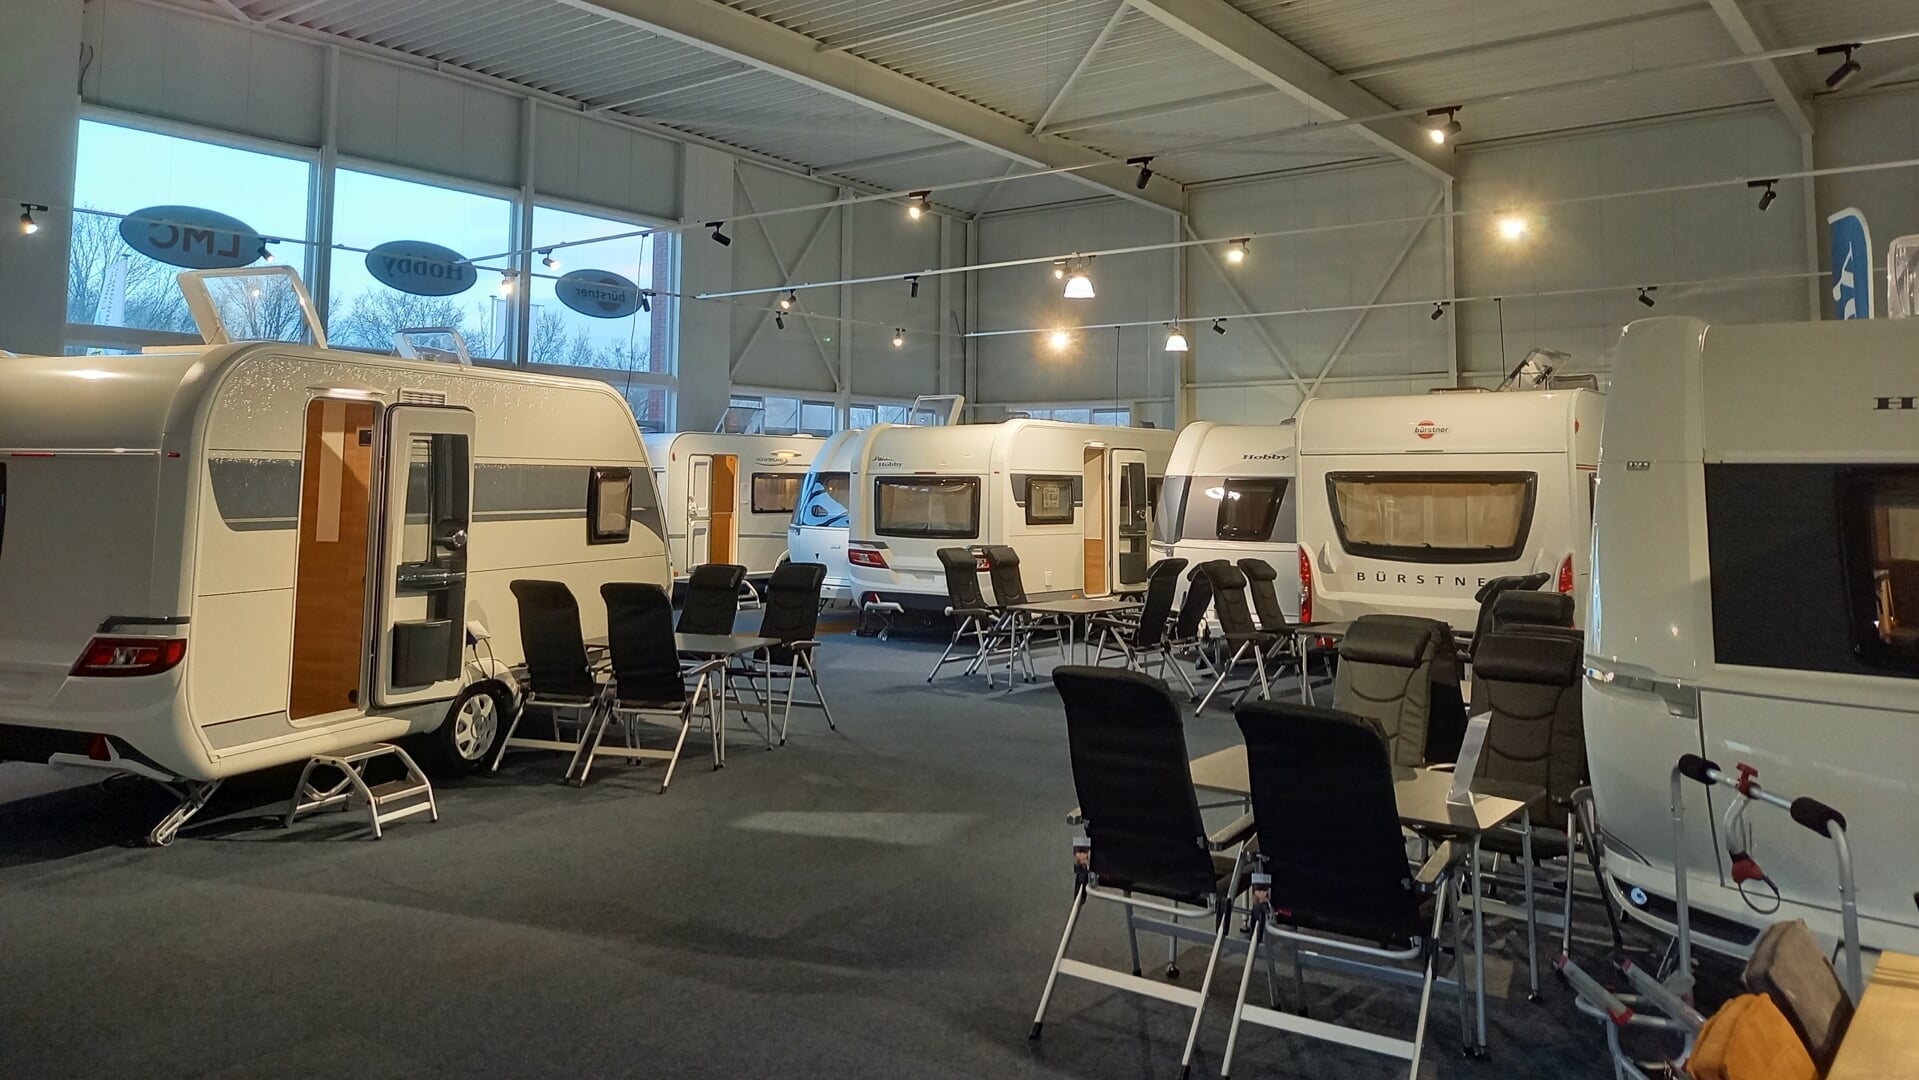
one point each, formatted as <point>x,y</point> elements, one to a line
<point>592,746</point>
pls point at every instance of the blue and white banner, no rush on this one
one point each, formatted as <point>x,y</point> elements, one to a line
<point>1851,265</point>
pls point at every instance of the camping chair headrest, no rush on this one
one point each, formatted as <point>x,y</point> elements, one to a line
<point>1539,608</point>
<point>1377,639</point>
<point>1528,658</point>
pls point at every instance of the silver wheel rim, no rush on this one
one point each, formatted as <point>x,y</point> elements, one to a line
<point>474,725</point>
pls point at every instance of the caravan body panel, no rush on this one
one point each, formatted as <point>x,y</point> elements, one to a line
<point>1742,610</point>
<point>828,503</point>
<point>218,566</point>
<point>1409,504</point>
<point>1230,494</point>
<point>1021,483</point>
<point>746,523</point>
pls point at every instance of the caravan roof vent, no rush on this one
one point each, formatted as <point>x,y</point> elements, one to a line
<point>422,397</point>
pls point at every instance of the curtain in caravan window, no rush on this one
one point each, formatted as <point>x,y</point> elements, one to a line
<point>1433,517</point>
<point>944,507</point>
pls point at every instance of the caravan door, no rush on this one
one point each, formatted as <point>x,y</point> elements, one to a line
<point>699,510</point>
<point>427,517</point>
<point>1131,519</point>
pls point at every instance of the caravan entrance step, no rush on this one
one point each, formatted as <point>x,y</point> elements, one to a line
<point>389,800</point>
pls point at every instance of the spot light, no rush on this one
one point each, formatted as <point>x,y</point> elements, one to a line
<point>1442,124</point>
<point>899,337</point>
<point>1059,340</point>
<point>787,301</point>
<point>1645,294</point>
<point>28,226</point>
<point>1175,341</point>
<point>1439,310</point>
<point>1219,326</point>
<point>719,237</point>
<point>919,204</point>
<point>646,300</point>
<point>1059,269</point>
<point>1079,284</point>
<point>549,261</point>
<point>507,282</point>
<point>1513,227</point>
<point>1236,254</point>
<point>915,280</point>
<point>1846,69</point>
<point>1766,198</point>
<point>779,319</point>
<point>266,253</point>
<point>1145,170</point>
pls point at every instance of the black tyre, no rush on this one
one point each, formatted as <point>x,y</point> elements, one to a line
<point>464,742</point>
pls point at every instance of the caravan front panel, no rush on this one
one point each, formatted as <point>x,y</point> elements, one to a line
<point>1230,494</point>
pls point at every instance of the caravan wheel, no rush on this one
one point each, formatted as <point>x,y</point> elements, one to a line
<point>465,739</point>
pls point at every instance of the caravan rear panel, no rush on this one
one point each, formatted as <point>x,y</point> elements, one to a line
<point>1230,494</point>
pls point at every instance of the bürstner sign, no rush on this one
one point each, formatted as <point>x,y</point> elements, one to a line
<point>599,293</point>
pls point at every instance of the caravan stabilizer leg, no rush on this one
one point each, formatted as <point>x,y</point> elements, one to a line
<point>193,796</point>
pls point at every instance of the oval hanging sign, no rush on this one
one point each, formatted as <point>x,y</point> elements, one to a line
<point>599,293</point>
<point>191,236</point>
<point>420,268</point>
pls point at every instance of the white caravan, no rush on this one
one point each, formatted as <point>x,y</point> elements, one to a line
<point>1756,600</point>
<point>1409,504</point>
<point>1073,499</point>
<point>728,498</point>
<point>224,558</point>
<point>1229,494</point>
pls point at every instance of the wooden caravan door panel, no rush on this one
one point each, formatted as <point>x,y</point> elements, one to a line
<point>329,592</point>
<point>1093,521</point>
<point>724,545</point>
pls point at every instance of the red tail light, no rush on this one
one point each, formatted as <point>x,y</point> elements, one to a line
<point>1566,575</point>
<point>121,657</point>
<point>1305,585</point>
<point>866,557</point>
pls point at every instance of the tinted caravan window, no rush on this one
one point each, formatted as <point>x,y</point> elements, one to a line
<point>775,493</point>
<point>1169,508</point>
<point>823,500</point>
<point>945,507</point>
<point>1049,500</point>
<point>1433,517</point>
<point>1258,508</point>
<point>1813,567</point>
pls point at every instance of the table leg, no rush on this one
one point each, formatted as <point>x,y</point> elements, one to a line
<point>1532,910</point>
<point>719,725</point>
<point>1479,952</point>
<point>1305,677</point>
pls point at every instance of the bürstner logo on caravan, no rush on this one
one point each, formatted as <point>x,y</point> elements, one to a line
<point>1903,404</point>
<point>1426,429</point>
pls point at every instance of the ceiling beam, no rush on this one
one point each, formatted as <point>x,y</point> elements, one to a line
<point>729,32</point>
<point>1249,45</point>
<point>1085,60</point>
<point>1732,14</point>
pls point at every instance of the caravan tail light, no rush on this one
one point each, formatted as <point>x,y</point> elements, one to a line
<point>1305,585</point>
<point>1566,575</point>
<point>118,656</point>
<point>866,557</point>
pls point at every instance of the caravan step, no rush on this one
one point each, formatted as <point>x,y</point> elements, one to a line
<point>350,765</point>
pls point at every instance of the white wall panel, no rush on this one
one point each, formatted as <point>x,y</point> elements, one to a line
<point>415,118</point>
<point>1025,369</point>
<point>201,71</point>
<point>42,113</point>
<point>605,164</point>
<point>886,241</point>
<point>805,355</point>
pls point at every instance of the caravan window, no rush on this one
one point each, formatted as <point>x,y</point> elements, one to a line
<point>609,498</point>
<point>1433,517</point>
<point>946,507</point>
<point>823,501</point>
<point>1249,508</point>
<point>1049,500</point>
<point>1237,508</point>
<point>1883,535</point>
<point>1168,508</point>
<point>775,493</point>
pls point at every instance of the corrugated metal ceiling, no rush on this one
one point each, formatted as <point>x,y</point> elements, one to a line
<point>1147,89</point>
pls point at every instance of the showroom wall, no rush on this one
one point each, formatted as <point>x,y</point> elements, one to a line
<point>210,77</point>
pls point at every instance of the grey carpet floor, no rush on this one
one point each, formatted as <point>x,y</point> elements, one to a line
<point>881,902</point>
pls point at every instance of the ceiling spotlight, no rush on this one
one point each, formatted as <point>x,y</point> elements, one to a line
<point>1079,285</point>
<point>1059,269</point>
<point>1236,254</point>
<point>1645,294</point>
<point>915,279</point>
<point>920,204</point>
<point>1145,170</point>
<point>719,237</point>
<point>1059,340</point>
<point>506,282</point>
<point>1439,310</point>
<point>1219,326</point>
<point>1767,197</point>
<point>549,262</point>
<point>1175,341</point>
<point>779,319</point>
<point>28,226</point>
<point>266,253</point>
<point>646,300</point>
<point>791,298</point>
<point>899,338</point>
<point>1847,68</point>
<point>1512,227</point>
<point>1442,124</point>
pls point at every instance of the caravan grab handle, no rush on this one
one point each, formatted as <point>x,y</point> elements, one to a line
<point>1816,815</point>
<point>1694,767</point>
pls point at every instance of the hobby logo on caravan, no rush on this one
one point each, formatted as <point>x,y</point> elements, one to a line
<point>1905,404</point>
<point>1270,455</point>
<point>1426,429</point>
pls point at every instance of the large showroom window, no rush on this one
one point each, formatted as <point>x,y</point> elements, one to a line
<point>634,351</point>
<point>370,209</point>
<point>115,292</point>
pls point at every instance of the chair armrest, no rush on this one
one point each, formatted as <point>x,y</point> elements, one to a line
<point>715,664</point>
<point>1443,766</point>
<point>1444,857</point>
<point>1073,817</point>
<point>1233,835</point>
